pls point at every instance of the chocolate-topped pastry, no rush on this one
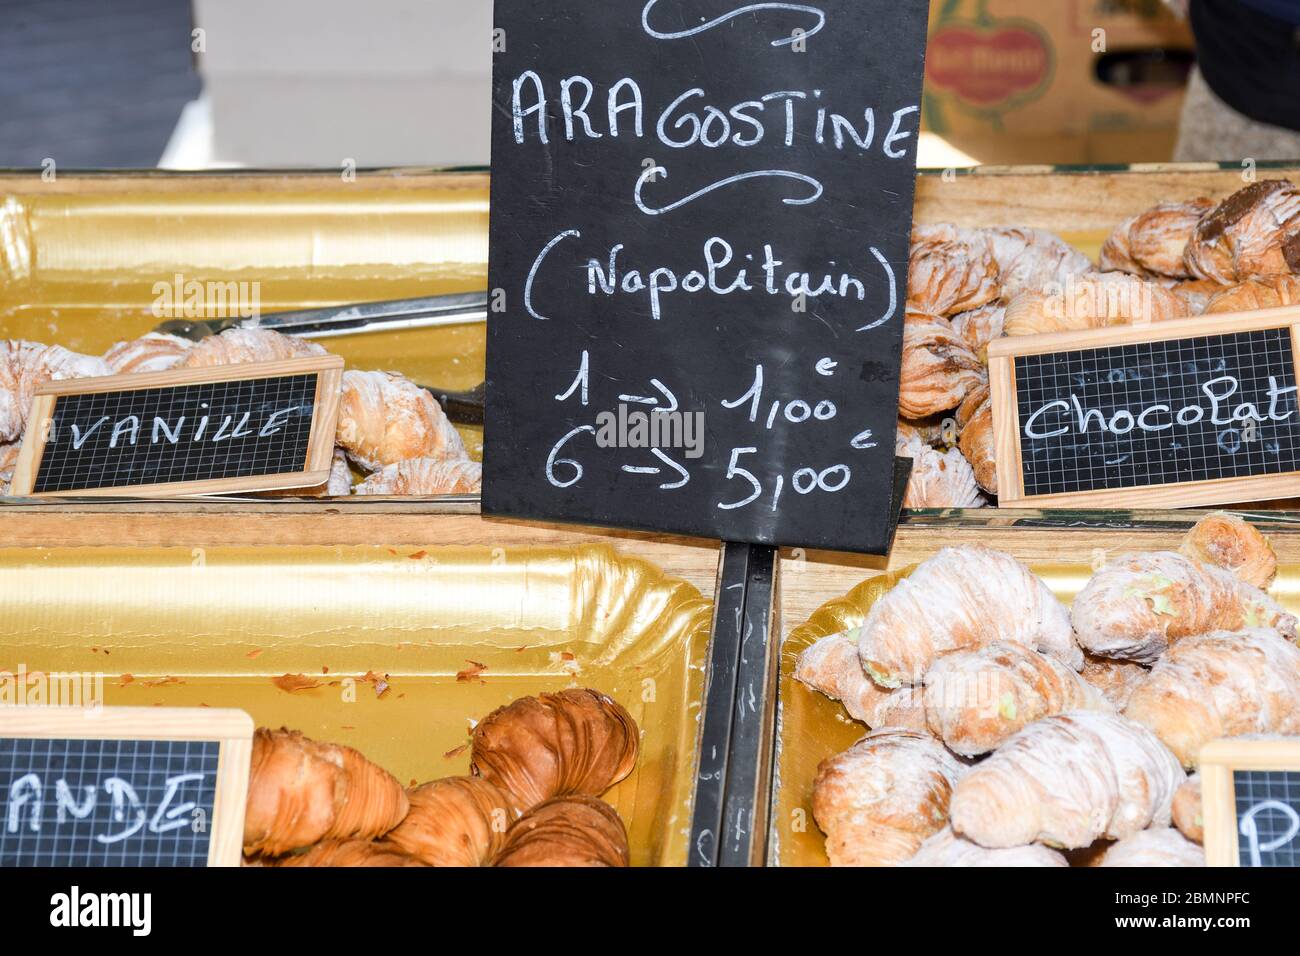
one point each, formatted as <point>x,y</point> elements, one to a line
<point>1254,232</point>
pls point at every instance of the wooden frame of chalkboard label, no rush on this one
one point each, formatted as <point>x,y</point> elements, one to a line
<point>1174,414</point>
<point>258,426</point>
<point>1250,801</point>
<point>169,789</point>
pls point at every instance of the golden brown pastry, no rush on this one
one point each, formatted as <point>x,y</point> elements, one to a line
<point>555,745</point>
<point>1115,679</point>
<point>1223,684</point>
<point>939,479</point>
<point>1156,847</point>
<point>945,848</point>
<point>949,277</point>
<point>8,460</point>
<point>1197,293</point>
<point>573,831</point>
<point>25,367</point>
<point>239,346</point>
<point>1139,604</point>
<point>1154,242</point>
<point>1228,542</point>
<point>1267,292</point>
<point>1094,301</point>
<point>1251,233</point>
<point>879,800</point>
<point>426,476</point>
<point>1033,259</point>
<point>154,352</point>
<point>457,821</point>
<point>961,598</point>
<point>1067,781</point>
<point>385,418</point>
<point>831,667</point>
<point>981,326</point>
<point>977,699</point>
<point>301,791</point>
<point>975,421</point>
<point>347,853</point>
<point>938,368</point>
<point>1188,816</point>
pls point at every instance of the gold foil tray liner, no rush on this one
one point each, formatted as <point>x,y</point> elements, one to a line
<point>811,727</point>
<point>86,260</point>
<point>453,632</point>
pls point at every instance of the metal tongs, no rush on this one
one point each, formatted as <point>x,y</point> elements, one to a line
<point>465,408</point>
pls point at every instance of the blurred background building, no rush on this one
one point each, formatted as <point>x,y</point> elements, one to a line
<point>267,83</point>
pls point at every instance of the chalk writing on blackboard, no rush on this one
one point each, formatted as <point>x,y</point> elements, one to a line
<point>703,216</point>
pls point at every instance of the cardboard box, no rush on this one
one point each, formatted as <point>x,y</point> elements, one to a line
<point>1070,81</point>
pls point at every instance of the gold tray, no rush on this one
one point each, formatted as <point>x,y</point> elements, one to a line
<point>812,727</point>
<point>213,626</point>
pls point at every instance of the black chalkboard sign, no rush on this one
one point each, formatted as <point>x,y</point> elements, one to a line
<point>1175,414</point>
<point>1268,817</point>
<point>701,214</point>
<point>245,427</point>
<point>122,786</point>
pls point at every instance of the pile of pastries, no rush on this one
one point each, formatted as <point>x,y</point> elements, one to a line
<point>390,430</point>
<point>967,287</point>
<point>539,766</point>
<point>1010,730</point>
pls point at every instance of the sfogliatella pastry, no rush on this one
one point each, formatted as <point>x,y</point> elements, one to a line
<point>425,476</point>
<point>975,422</point>
<point>1140,604</point>
<point>1266,292</point>
<point>1033,259</point>
<point>831,667</point>
<point>572,831</point>
<point>154,352</point>
<point>961,598</point>
<point>385,418</point>
<point>981,326</point>
<point>457,821</point>
<point>938,368</point>
<point>1115,679</point>
<point>1095,301</point>
<point>1228,542</point>
<point>1154,848</point>
<point>25,367</point>
<point>348,853</point>
<point>1223,684</point>
<point>1251,233</point>
<point>939,479</point>
<point>1068,781</point>
<point>977,699</point>
<point>554,745</point>
<point>1188,816</point>
<point>239,346</point>
<point>946,277</point>
<point>8,459</point>
<point>946,849</point>
<point>1154,242</point>
<point>879,800</point>
<point>302,791</point>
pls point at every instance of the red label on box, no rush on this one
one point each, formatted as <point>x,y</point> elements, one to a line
<point>989,66</point>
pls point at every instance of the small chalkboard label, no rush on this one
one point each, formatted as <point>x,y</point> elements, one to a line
<point>122,786</point>
<point>252,427</point>
<point>701,215</point>
<point>1250,797</point>
<point>1174,414</point>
